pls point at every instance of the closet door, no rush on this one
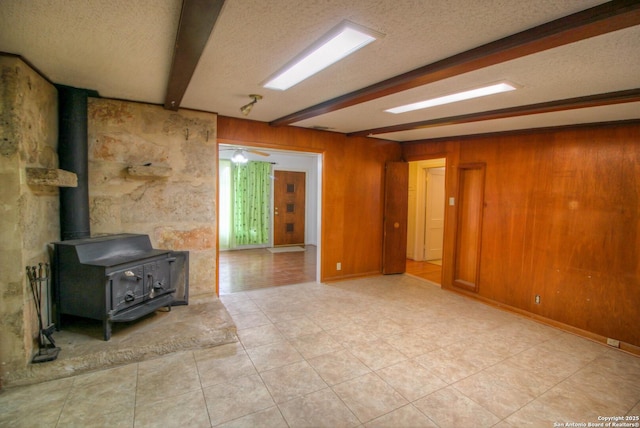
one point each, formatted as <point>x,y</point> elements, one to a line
<point>466,267</point>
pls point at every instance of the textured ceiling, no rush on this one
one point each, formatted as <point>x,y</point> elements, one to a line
<point>123,49</point>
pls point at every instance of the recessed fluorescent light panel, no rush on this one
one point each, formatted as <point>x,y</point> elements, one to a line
<point>338,43</point>
<point>460,96</point>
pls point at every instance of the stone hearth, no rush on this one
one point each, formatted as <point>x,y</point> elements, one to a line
<point>204,323</point>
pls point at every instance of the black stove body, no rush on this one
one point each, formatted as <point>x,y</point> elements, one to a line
<point>116,278</point>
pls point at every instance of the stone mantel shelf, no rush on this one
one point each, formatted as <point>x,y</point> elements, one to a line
<point>51,177</point>
<point>149,171</point>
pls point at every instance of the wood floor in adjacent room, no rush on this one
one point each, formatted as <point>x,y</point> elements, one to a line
<point>425,270</point>
<point>242,270</point>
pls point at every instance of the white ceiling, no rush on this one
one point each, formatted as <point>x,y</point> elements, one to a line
<point>123,49</point>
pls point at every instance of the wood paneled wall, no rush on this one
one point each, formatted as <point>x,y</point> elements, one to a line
<point>561,220</point>
<point>352,190</point>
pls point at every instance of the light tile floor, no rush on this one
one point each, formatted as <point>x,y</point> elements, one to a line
<point>378,352</point>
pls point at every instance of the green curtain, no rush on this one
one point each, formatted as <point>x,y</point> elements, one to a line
<point>251,203</point>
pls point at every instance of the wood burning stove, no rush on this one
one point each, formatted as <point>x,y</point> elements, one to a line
<point>117,278</point>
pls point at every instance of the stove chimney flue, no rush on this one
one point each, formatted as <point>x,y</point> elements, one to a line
<point>73,157</point>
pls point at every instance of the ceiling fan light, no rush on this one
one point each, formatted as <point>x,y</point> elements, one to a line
<point>452,98</point>
<point>338,43</point>
<point>239,157</point>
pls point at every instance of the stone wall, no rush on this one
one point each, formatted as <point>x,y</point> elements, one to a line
<point>153,171</point>
<point>28,214</point>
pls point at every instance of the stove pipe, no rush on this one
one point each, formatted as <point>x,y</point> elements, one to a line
<point>73,156</point>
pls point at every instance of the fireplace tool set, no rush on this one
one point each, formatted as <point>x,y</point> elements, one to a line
<point>39,276</point>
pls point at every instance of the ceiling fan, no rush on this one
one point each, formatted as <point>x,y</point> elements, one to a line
<point>239,154</point>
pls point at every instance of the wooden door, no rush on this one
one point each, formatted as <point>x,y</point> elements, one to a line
<point>469,226</point>
<point>288,208</point>
<point>396,196</point>
<point>434,216</point>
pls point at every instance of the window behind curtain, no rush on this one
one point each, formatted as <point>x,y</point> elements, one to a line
<point>225,208</point>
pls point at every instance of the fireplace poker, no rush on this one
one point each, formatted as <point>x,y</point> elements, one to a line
<point>37,277</point>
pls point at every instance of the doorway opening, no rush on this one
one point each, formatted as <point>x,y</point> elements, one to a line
<point>425,222</point>
<point>280,257</point>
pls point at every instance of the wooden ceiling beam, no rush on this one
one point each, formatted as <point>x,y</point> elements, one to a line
<point>609,98</point>
<point>197,19</point>
<point>595,21</point>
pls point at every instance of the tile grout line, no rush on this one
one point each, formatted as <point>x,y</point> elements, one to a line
<point>135,395</point>
<point>260,374</point>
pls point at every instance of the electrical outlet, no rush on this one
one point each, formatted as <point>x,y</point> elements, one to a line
<point>537,299</point>
<point>613,342</point>
<point>338,266</point>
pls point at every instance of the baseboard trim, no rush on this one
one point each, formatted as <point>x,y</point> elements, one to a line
<point>624,346</point>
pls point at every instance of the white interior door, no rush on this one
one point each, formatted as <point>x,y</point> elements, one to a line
<point>434,214</point>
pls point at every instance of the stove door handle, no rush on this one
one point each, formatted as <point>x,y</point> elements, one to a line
<point>131,273</point>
